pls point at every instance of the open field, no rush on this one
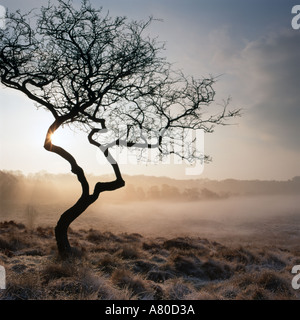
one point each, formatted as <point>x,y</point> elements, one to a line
<point>221,240</point>
<point>112,265</point>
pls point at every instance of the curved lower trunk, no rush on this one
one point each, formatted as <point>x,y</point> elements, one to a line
<point>61,229</point>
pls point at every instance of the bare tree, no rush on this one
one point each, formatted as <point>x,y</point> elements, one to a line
<point>106,76</point>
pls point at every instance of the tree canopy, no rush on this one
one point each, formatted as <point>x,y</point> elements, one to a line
<point>107,76</point>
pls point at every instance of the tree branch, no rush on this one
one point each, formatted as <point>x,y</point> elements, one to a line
<point>106,186</point>
<point>75,168</point>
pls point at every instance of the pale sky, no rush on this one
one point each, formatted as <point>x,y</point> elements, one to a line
<point>250,43</point>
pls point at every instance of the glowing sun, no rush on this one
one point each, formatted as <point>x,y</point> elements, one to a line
<point>56,138</point>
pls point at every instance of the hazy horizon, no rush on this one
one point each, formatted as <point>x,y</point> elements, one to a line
<point>151,206</point>
<point>68,173</point>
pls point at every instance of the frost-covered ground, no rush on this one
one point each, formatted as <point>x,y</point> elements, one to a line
<point>124,265</point>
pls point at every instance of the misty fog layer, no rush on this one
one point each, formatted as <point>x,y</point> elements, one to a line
<point>259,216</point>
<point>162,207</point>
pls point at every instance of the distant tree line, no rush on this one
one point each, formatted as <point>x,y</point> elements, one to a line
<point>168,192</point>
<point>17,188</point>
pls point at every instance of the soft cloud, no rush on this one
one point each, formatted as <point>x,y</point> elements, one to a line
<point>263,77</point>
<point>268,70</point>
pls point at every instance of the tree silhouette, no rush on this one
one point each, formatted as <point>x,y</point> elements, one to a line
<point>107,77</point>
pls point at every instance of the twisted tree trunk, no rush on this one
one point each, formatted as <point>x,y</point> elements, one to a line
<point>86,199</point>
